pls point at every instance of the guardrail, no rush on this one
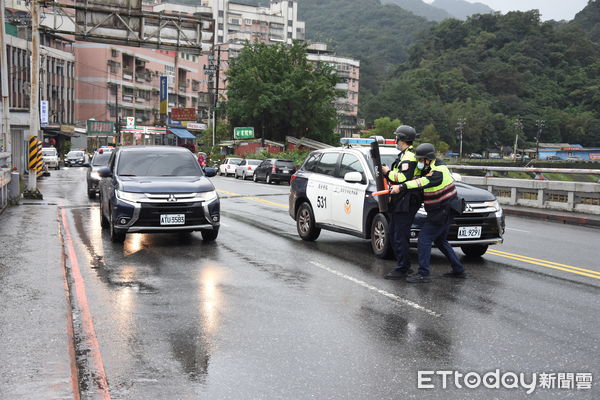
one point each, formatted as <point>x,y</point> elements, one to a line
<point>4,179</point>
<point>538,193</point>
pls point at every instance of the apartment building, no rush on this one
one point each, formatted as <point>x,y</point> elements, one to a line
<point>348,70</point>
<point>57,83</point>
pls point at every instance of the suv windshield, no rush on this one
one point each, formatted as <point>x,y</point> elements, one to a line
<point>49,152</point>
<point>100,159</point>
<point>75,154</point>
<point>158,164</point>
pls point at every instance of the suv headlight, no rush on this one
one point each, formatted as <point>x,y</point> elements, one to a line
<point>206,196</point>
<point>493,204</point>
<point>130,196</point>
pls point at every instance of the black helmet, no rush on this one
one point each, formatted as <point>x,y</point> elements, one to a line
<point>425,150</point>
<point>405,133</point>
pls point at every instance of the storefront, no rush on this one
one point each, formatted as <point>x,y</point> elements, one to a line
<point>143,135</point>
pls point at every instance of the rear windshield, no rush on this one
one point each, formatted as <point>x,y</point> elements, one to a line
<point>235,161</point>
<point>253,162</point>
<point>158,164</point>
<point>100,159</point>
<point>284,163</point>
<point>49,152</point>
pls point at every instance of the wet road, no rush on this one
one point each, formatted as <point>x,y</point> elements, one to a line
<point>260,314</point>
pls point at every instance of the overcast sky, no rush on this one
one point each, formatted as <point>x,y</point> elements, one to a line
<point>550,9</point>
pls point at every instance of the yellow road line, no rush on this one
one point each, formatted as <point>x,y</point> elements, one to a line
<point>259,200</point>
<point>547,264</point>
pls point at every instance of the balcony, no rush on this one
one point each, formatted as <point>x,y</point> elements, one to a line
<point>127,75</point>
<point>140,100</point>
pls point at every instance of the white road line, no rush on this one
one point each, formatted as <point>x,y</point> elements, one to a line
<point>518,230</point>
<point>392,296</point>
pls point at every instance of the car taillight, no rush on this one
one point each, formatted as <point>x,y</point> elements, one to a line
<point>249,168</point>
<point>292,178</point>
<point>274,168</point>
<point>228,166</point>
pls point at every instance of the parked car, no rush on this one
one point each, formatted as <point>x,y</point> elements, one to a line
<point>274,170</point>
<point>246,168</point>
<point>332,190</point>
<point>553,158</point>
<point>475,155</point>
<point>228,165</point>
<point>157,189</point>
<point>75,158</point>
<point>99,160</point>
<point>50,157</point>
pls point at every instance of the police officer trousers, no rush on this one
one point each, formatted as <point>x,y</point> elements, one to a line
<point>436,234</point>
<point>400,224</point>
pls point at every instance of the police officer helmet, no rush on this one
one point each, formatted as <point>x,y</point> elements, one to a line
<point>405,133</point>
<point>425,150</point>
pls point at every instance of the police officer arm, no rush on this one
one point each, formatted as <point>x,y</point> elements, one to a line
<point>432,179</point>
<point>404,172</point>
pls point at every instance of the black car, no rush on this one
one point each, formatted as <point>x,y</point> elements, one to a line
<point>274,170</point>
<point>75,158</point>
<point>99,160</point>
<point>333,190</point>
<point>157,189</point>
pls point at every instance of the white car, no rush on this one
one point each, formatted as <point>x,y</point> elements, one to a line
<point>50,157</point>
<point>228,166</point>
<point>246,168</point>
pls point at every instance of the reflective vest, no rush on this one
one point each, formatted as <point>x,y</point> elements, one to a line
<point>397,175</point>
<point>438,195</point>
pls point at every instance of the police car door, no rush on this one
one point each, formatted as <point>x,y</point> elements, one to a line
<point>319,188</point>
<point>349,197</point>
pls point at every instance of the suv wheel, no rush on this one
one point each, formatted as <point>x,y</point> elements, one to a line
<point>380,237</point>
<point>243,176</point>
<point>116,235</point>
<point>103,221</point>
<point>474,250</point>
<point>209,235</point>
<point>91,194</point>
<point>254,177</point>
<point>305,223</point>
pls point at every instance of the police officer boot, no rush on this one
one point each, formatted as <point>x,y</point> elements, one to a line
<point>399,273</point>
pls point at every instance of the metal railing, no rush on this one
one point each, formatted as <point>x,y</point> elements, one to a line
<point>4,179</point>
<point>538,193</point>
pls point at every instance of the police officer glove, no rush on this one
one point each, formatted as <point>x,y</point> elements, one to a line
<point>397,189</point>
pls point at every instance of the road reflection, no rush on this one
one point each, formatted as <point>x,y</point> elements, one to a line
<point>210,297</point>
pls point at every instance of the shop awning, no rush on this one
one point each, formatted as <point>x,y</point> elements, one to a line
<point>182,133</point>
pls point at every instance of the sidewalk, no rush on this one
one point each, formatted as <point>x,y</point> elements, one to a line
<point>564,217</point>
<point>33,306</point>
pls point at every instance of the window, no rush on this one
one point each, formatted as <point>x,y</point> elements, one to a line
<point>327,164</point>
<point>221,13</point>
<point>289,35</point>
<point>247,21</point>
<point>311,162</point>
<point>350,163</point>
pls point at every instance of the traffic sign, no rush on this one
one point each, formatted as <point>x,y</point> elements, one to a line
<point>243,132</point>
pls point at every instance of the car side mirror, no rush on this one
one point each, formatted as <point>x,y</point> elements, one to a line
<point>104,172</point>
<point>353,177</point>
<point>87,164</point>
<point>210,172</point>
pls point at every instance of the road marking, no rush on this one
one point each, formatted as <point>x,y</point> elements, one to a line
<point>548,264</point>
<point>392,296</point>
<point>253,198</point>
<point>89,340</point>
<point>518,230</point>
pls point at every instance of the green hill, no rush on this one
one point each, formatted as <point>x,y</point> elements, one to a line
<point>588,19</point>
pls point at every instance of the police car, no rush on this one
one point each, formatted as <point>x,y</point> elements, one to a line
<point>333,189</point>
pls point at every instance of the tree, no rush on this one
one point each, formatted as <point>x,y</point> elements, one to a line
<point>386,127</point>
<point>430,135</point>
<point>275,89</point>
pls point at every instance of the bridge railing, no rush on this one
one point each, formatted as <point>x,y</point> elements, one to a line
<point>4,179</point>
<point>538,193</point>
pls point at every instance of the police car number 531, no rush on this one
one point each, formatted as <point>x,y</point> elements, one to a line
<point>469,232</point>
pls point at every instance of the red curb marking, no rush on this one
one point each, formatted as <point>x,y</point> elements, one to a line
<point>89,333</point>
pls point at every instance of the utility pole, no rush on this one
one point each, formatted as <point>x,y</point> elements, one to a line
<point>34,105</point>
<point>460,128</point>
<point>540,124</point>
<point>5,139</point>
<point>216,99</point>
<point>117,121</point>
<point>518,129</point>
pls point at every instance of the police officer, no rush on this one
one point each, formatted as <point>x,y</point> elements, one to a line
<point>440,199</point>
<point>403,207</point>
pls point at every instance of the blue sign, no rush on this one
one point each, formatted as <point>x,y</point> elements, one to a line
<point>164,95</point>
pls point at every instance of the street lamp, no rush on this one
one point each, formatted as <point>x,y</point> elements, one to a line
<point>540,124</point>
<point>460,127</point>
<point>518,129</point>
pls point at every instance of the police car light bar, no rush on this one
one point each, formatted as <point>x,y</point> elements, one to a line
<point>366,141</point>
